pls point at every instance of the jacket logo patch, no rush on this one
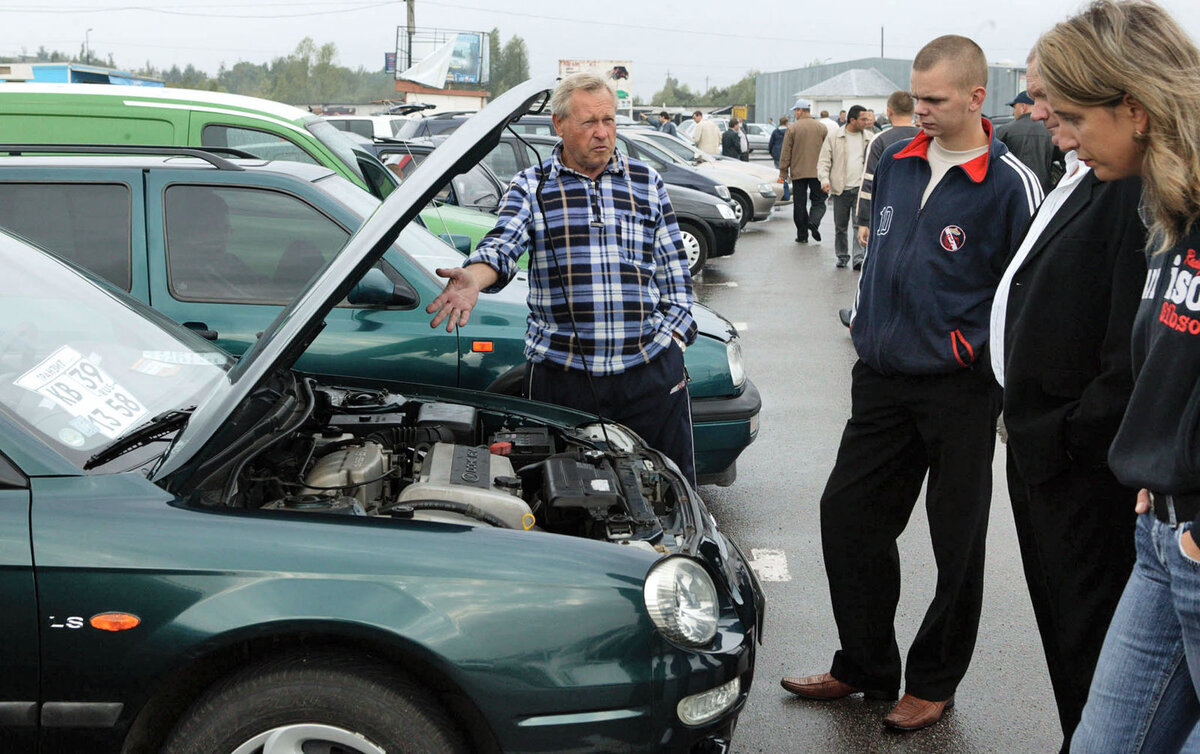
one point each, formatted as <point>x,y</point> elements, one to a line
<point>1182,292</point>
<point>885,221</point>
<point>953,238</point>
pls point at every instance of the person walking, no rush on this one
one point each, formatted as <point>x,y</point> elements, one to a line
<point>951,202</point>
<point>665,125</point>
<point>840,170</point>
<point>610,297</point>
<point>1056,321</point>
<point>1121,77</point>
<point>706,134</point>
<point>775,148</point>
<point>1031,143</point>
<point>798,160</point>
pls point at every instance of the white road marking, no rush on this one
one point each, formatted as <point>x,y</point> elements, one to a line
<point>730,284</point>
<point>770,565</point>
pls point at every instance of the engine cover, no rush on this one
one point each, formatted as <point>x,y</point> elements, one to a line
<point>358,470</point>
<point>466,474</point>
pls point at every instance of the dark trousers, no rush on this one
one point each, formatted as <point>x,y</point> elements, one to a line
<point>651,399</point>
<point>900,427</point>
<point>843,210</point>
<point>1076,537</point>
<point>807,213</point>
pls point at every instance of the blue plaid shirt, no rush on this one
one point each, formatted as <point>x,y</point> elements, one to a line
<point>620,264</point>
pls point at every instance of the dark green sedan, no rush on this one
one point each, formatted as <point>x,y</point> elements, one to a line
<point>207,555</point>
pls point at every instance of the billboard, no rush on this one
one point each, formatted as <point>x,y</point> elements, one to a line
<point>616,72</point>
<point>466,64</point>
<point>468,59</point>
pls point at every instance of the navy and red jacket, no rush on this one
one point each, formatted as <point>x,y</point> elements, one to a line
<point>925,297</point>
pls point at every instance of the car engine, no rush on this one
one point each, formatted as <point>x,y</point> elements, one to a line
<point>375,453</point>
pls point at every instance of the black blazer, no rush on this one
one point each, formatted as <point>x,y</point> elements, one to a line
<point>1067,360</point>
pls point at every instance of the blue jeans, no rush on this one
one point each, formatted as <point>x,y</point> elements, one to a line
<point>1144,693</point>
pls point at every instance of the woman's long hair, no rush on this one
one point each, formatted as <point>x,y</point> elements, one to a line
<point>1133,47</point>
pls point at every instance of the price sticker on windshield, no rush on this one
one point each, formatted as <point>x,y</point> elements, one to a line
<point>84,390</point>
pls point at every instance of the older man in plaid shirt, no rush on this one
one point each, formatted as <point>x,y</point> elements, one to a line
<point>609,292</point>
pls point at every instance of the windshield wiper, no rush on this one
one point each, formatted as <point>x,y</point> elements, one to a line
<point>152,431</point>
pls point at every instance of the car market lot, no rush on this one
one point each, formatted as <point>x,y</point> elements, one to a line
<point>199,555</point>
<point>784,297</point>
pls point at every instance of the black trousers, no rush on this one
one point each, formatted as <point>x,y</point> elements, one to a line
<point>651,399</point>
<point>1076,537</point>
<point>901,427</point>
<point>810,212</point>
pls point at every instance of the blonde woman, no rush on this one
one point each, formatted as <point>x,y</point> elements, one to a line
<point>1124,80</point>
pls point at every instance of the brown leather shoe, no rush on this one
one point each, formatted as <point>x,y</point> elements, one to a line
<point>913,713</point>
<point>825,687</point>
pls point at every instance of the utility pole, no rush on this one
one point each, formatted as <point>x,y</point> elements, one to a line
<point>411,21</point>
<point>87,48</point>
<point>881,41</point>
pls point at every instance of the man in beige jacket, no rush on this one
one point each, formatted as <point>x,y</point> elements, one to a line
<point>840,171</point>
<point>801,147</point>
<point>706,134</point>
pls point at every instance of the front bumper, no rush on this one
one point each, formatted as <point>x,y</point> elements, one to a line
<point>725,236</point>
<point>764,204</point>
<point>723,428</point>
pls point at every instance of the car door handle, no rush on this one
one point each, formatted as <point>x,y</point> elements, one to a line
<point>201,329</point>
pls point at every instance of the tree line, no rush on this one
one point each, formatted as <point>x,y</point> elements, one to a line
<point>309,75</point>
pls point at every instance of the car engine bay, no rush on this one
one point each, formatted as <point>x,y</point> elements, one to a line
<point>370,452</point>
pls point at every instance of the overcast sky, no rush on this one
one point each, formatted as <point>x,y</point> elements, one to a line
<point>698,41</point>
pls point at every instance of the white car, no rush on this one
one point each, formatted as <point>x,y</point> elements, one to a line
<point>370,126</point>
<point>754,195</point>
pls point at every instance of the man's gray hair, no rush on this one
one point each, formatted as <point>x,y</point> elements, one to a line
<point>560,101</point>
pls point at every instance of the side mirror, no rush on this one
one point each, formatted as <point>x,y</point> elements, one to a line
<point>375,289</point>
<point>460,241</point>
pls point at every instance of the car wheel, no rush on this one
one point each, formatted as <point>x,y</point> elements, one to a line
<point>743,208</point>
<point>315,702</point>
<point>695,243</point>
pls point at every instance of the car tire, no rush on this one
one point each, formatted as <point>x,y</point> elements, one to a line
<point>695,244</point>
<point>325,698</point>
<point>744,208</point>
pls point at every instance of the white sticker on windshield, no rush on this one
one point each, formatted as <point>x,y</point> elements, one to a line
<point>84,390</point>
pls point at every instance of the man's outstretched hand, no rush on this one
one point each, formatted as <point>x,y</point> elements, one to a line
<point>457,299</point>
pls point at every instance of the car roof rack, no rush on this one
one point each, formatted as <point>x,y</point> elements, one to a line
<point>211,155</point>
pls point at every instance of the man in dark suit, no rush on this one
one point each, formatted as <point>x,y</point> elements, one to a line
<point>1030,142</point>
<point>1061,322</point>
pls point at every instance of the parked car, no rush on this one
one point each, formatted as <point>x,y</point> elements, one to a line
<point>201,555</point>
<point>105,114</point>
<point>222,245</point>
<point>753,198</point>
<point>708,225</point>
<point>758,135</point>
<point>370,126</point>
<point>701,160</point>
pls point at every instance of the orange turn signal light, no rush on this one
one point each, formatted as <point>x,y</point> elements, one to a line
<point>115,621</point>
<point>481,346</point>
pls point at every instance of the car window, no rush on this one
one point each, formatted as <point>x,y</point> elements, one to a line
<point>659,154</point>
<point>680,150</point>
<point>361,127</point>
<point>262,144</point>
<point>402,164</point>
<point>246,245</point>
<point>377,176</point>
<point>87,223</point>
<point>503,161</point>
<point>540,129</point>
<point>475,189</point>
<point>543,150</point>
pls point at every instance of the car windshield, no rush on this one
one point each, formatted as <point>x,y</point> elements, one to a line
<point>676,147</point>
<point>82,364</point>
<point>337,142</point>
<point>660,154</point>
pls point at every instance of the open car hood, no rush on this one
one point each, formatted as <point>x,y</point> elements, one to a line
<point>299,324</point>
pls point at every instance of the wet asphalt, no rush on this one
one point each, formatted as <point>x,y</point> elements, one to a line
<point>784,298</point>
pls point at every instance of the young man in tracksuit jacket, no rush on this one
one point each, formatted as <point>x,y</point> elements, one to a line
<point>923,395</point>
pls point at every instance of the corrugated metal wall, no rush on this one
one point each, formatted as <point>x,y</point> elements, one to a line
<point>774,91</point>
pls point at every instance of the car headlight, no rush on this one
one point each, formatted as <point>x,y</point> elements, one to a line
<point>682,601</point>
<point>725,211</point>
<point>737,368</point>
<point>766,189</point>
<point>723,192</point>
